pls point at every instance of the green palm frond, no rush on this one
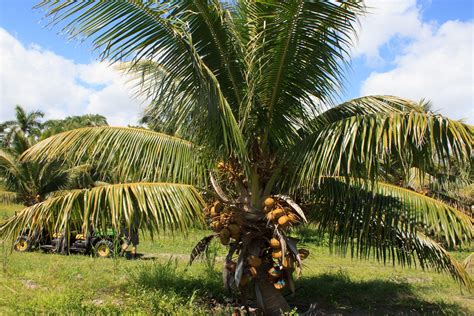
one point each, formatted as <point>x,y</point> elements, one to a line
<point>374,104</point>
<point>358,145</point>
<point>131,30</point>
<point>300,50</point>
<point>157,207</point>
<point>390,223</point>
<point>131,152</point>
<point>385,205</point>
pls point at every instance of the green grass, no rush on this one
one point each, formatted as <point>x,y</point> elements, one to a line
<point>36,282</point>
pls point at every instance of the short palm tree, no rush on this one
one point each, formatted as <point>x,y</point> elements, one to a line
<point>247,88</point>
<point>30,182</point>
<point>26,122</point>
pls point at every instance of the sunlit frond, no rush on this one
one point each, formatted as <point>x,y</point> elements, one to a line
<point>358,145</point>
<point>132,153</point>
<point>299,51</point>
<point>157,207</point>
<point>389,206</point>
<point>135,31</point>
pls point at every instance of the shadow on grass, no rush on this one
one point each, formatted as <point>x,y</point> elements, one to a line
<point>336,293</point>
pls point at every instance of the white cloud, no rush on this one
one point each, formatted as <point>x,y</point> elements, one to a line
<point>427,60</point>
<point>438,67</point>
<point>41,79</point>
<point>386,20</point>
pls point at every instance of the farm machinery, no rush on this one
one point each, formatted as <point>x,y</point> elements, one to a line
<point>101,243</point>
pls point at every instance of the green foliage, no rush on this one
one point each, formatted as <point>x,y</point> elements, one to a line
<point>52,127</point>
<point>252,84</point>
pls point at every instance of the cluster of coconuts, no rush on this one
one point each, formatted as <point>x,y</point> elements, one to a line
<point>283,264</point>
<point>227,222</point>
<point>279,215</point>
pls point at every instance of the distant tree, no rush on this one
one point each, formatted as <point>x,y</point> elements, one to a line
<point>52,127</point>
<point>27,122</point>
<point>29,182</point>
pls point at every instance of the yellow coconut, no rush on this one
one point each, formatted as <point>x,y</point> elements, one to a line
<point>283,220</point>
<point>293,218</point>
<point>304,253</point>
<point>280,284</point>
<point>276,254</point>
<point>254,261</point>
<point>216,226</point>
<point>275,243</point>
<point>274,273</point>
<point>253,272</point>
<point>288,263</point>
<point>277,213</point>
<point>269,202</point>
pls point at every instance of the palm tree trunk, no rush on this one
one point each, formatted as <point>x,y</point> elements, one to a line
<point>271,300</point>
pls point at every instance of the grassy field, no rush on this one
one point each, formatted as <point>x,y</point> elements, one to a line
<point>163,284</point>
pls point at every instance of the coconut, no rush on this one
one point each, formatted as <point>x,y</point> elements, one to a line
<point>225,240</point>
<point>234,230</point>
<point>288,263</point>
<point>238,219</point>
<point>283,220</point>
<point>293,218</point>
<point>254,261</point>
<point>275,243</point>
<point>216,226</point>
<point>218,206</point>
<point>230,266</point>
<point>253,272</point>
<point>276,254</point>
<point>269,202</point>
<point>304,253</point>
<point>280,284</point>
<point>277,213</point>
<point>225,233</point>
<point>274,273</point>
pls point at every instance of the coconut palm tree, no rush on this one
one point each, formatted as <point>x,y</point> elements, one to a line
<point>26,122</point>
<point>248,89</point>
<point>30,182</point>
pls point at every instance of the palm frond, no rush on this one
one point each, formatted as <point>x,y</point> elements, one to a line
<point>390,223</point>
<point>299,49</point>
<point>359,145</point>
<point>132,153</point>
<point>388,206</point>
<point>137,31</point>
<point>156,207</point>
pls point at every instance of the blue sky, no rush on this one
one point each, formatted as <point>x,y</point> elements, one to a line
<point>415,49</point>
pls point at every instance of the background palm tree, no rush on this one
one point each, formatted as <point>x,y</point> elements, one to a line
<point>30,182</point>
<point>52,127</point>
<point>249,88</point>
<point>28,123</point>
